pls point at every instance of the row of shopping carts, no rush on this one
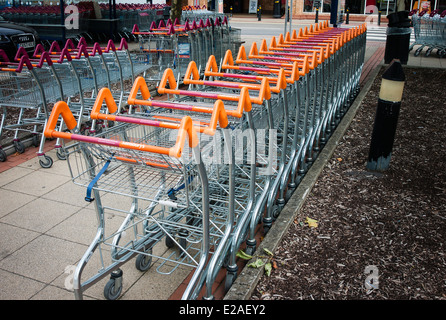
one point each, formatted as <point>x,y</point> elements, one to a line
<point>193,176</point>
<point>46,19</point>
<point>173,45</point>
<point>129,14</point>
<point>430,32</point>
<point>30,86</point>
<point>190,13</point>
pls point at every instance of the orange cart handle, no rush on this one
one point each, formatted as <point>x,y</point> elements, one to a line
<point>185,130</point>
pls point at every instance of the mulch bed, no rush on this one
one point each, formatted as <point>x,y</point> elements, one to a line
<point>379,235</point>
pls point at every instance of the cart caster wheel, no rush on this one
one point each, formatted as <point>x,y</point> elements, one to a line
<point>250,247</point>
<point>229,281</point>
<point>61,155</point>
<point>36,140</point>
<point>144,260</point>
<point>276,211</point>
<point>182,241</point>
<point>47,163</point>
<point>113,288</point>
<point>169,242</point>
<point>417,52</point>
<point>428,52</point>
<point>2,156</point>
<point>19,146</point>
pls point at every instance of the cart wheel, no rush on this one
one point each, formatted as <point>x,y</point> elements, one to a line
<point>250,250</point>
<point>61,155</point>
<point>417,52</point>
<point>442,53</point>
<point>2,156</point>
<point>19,146</point>
<point>230,278</point>
<point>169,242</point>
<point>36,141</point>
<point>182,241</point>
<point>428,52</point>
<point>144,260</point>
<point>113,288</point>
<point>275,211</point>
<point>47,163</point>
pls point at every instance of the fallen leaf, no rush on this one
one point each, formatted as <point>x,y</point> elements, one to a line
<point>268,269</point>
<point>256,264</point>
<point>243,255</point>
<point>339,159</point>
<point>311,222</point>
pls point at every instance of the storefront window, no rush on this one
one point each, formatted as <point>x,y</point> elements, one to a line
<point>327,6</point>
<point>308,5</point>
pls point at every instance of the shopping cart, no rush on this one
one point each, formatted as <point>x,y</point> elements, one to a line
<point>430,32</point>
<point>142,160</point>
<point>247,181</point>
<point>29,88</point>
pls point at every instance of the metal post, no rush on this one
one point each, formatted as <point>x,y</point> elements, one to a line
<point>286,17</point>
<point>62,18</point>
<point>347,18</point>
<point>386,117</point>
<point>316,20</point>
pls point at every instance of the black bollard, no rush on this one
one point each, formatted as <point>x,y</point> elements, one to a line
<point>259,13</point>
<point>276,9</point>
<point>347,17</point>
<point>386,117</point>
<point>398,37</point>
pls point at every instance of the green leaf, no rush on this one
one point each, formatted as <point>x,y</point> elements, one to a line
<point>243,255</point>
<point>268,252</point>
<point>257,264</point>
<point>268,268</point>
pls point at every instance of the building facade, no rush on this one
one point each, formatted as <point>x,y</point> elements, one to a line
<point>301,9</point>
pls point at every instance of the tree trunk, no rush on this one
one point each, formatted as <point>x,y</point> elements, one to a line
<point>176,9</point>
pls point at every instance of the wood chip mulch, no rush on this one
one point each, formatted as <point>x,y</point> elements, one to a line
<point>379,235</point>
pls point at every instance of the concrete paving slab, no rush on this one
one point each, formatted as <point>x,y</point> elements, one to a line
<point>17,287</point>
<point>12,200</point>
<point>13,238</point>
<point>68,193</point>
<point>13,174</point>
<point>43,259</point>
<point>36,183</point>
<point>40,215</point>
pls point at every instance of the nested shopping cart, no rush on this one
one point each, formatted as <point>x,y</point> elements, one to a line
<point>241,171</point>
<point>29,88</point>
<point>160,48</point>
<point>430,32</point>
<point>268,115</point>
<point>147,161</point>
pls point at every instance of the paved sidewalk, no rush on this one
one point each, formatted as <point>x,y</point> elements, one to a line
<point>46,226</point>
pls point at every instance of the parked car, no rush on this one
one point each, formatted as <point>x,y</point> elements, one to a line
<point>13,35</point>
